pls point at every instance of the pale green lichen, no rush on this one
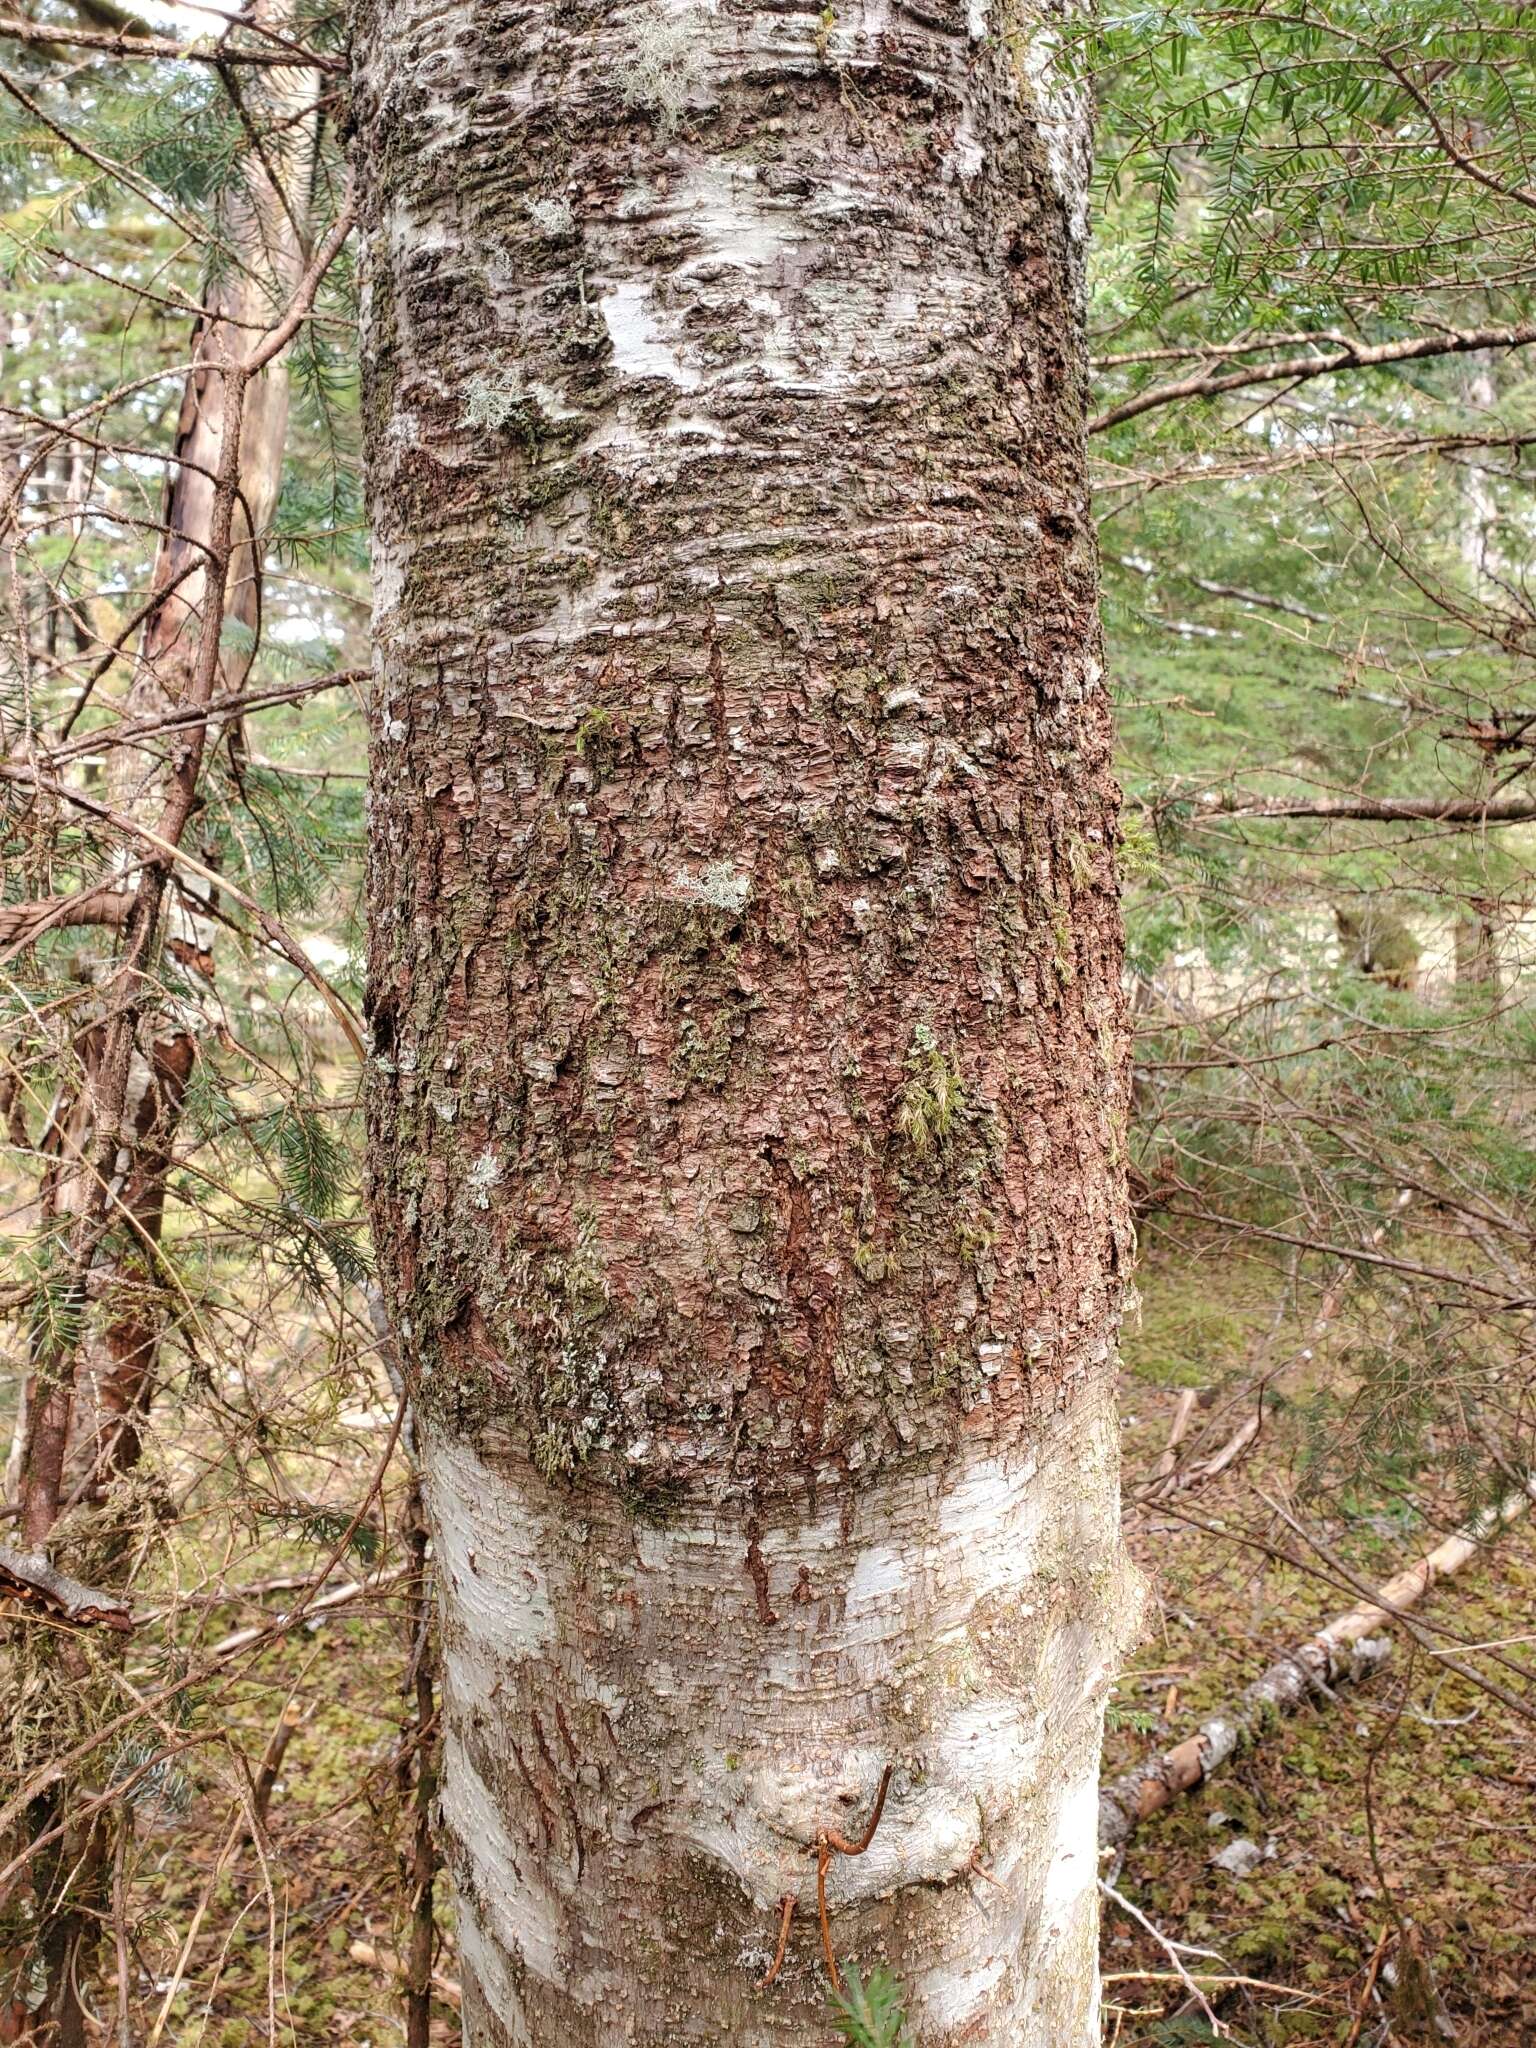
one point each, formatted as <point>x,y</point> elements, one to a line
<point>933,1095</point>
<point>484,1176</point>
<point>493,401</point>
<point>720,886</point>
<point>577,1413</point>
<point>555,219</point>
<point>664,65</point>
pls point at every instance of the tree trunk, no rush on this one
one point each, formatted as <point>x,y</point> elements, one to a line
<point>1476,942</point>
<point>749,1080</point>
<point>1475,958</point>
<point>268,229</point>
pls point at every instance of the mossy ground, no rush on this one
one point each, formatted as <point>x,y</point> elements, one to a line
<point>1446,1774</point>
<point>271,1960</point>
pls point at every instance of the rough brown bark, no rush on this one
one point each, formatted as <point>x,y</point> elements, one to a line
<point>749,1077</point>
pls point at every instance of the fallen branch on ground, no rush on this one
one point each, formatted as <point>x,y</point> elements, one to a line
<point>1337,1654</point>
<point>375,1958</point>
<point>354,1589</point>
<point>1215,1981</point>
<point>1181,1415</point>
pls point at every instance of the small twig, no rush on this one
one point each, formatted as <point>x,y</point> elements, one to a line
<point>1218,1980</point>
<point>1365,1996</point>
<point>787,1913</point>
<point>823,1858</point>
<point>979,1869</point>
<point>835,1841</point>
<point>830,1843</point>
<point>235,1834</point>
<point>288,1723</point>
<point>1172,1949</point>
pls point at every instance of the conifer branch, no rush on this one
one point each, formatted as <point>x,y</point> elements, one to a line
<point>137,41</point>
<point>1300,368</point>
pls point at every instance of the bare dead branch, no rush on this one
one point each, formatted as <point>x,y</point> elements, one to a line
<point>1300,368</point>
<point>1386,810</point>
<point>28,1576</point>
<point>139,43</point>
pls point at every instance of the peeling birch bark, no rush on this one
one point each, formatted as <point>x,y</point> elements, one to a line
<point>749,1079</point>
<point>636,1772</point>
<point>25,1577</point>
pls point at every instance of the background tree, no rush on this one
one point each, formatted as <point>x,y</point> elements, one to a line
<point>1314,317</point>
<point>138,822</point>
<point>113,1137</point>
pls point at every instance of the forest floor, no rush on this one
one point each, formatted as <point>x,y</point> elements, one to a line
<point>291,1945</point>
<point>1444,1777</point>
<point>1439,1773</point>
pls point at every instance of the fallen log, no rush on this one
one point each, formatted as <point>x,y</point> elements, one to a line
<point>1338,1654</point>
<point>316,1610</point>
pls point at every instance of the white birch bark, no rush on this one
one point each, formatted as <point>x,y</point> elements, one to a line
<point>965,1629</point>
